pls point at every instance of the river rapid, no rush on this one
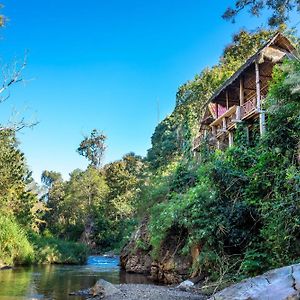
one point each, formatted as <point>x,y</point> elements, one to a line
<point>55,282</point>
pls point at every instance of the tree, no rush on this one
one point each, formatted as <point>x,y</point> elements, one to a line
<point>173,136</point>
<point>50,177</point>
<point>280,9</point>
<point>93,148</point>
<point>17,197</point>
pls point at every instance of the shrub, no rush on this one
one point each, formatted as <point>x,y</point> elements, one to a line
<point>49,249</point>
<point>14,245</point>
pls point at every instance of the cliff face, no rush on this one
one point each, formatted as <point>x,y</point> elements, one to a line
<point>168,266</point>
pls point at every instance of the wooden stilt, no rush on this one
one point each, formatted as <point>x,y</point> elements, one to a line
<point>230,138</point>
<point>224,123</point>
<point>262,122</point>
<point>247,134</point>
<point>238,113</point>
<point>214,130</point>
<point>242,95</point>
<point>262,127</point>
<point>257,81</point>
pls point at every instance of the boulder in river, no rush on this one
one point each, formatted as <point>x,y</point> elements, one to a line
<point>185,285</point>
<point>100,290</point>
<point>277,284</point>
<point>103,288</point>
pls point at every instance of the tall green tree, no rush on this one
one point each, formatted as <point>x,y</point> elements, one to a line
<point>93,148</point>
<point>17,197</point>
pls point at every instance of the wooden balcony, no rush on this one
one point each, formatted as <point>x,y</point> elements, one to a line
<point>232,116</point>
<point>248,109</point>
<point>228,120</point>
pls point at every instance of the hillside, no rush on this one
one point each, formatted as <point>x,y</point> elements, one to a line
<point>221,215</point>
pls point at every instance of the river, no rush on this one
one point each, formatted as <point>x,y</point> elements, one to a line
<point>55,282</point>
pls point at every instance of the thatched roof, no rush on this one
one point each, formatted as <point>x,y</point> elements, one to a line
<point>273,51</point>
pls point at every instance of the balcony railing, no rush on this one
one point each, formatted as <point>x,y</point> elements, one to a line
<point>248,108</point>
<point>232,116</point>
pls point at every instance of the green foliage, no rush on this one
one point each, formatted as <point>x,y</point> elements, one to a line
<point>49,249</point>
<point>280,10</point>
<point>97,206</point>
<point>14,245</point>
<point>93,148</point>
<point>18,197</point>
<point>50,177</point>
<point>173,136</point>
<point>242,205</point>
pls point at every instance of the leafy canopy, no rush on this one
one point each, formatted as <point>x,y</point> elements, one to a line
<point>93,148</point>
<point>280,9</point>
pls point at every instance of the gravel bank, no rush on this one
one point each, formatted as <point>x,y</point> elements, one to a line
<point>152,292</point>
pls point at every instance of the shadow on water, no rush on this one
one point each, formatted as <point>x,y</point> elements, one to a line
<point>55,282</point>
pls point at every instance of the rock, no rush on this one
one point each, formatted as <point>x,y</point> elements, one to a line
<point>171,266</point>
<point>6,267</point>
<point>135,256</point>
<point>185,285</point>
<point>100,290</point>
<point>278,284</point>
<point>81,293</point>
<point>103,288</point>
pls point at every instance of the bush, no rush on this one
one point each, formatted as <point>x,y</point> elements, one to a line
<point>14,245</point>
<point>49,249</point>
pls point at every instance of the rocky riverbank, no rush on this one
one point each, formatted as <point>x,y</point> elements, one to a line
<point>169,267</point>
<point>277,284</point>
<point>105,290</point>
<point>152,292</point>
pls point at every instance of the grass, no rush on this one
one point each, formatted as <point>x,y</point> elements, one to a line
<point>14,245</point>
<point>17,247</point>
<point>49,249</point>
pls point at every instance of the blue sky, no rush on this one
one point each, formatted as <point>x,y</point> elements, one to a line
<point>106,65</point>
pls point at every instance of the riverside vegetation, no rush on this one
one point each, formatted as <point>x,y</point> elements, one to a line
<point>239,207</point>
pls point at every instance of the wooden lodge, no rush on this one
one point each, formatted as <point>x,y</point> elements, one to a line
<point>240,98</point>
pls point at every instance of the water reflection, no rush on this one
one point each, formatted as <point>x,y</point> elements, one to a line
<point>55,282</point>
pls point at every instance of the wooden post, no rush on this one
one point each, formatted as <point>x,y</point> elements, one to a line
<point>214,130</point>
<point>262,121</point>
<point>257,81</point>
<point>224,124</point>
<point>242,95</point>
<point>238,113</point>
<point>227,100</point>
<point>247,134</point>
<point>230,138</point>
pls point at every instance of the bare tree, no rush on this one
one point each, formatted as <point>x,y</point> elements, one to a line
<point>12,75</point>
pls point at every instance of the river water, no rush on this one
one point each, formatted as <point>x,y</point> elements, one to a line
<point>55,282</point>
